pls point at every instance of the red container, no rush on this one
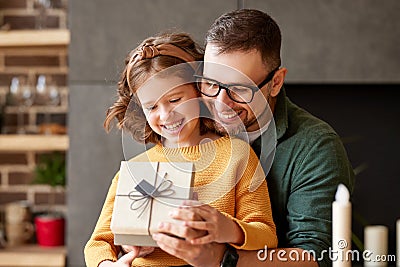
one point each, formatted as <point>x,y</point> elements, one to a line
<point>50,230</point>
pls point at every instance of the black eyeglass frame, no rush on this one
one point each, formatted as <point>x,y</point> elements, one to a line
<point>224,86</point>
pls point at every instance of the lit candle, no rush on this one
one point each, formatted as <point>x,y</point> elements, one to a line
<point>376,242</point>
<point>398,242</point>
<point>341,228</point>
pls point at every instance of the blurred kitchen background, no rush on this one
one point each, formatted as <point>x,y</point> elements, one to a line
<point>344,67</point>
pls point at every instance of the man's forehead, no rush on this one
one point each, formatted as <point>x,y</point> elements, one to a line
<point>224,73</point>
<point>232,66</point>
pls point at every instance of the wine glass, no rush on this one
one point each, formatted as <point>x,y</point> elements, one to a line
<point>22,95</point>
<point>43,6</point>
<point>48,95</point>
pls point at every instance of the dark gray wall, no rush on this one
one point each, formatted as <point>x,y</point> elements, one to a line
<point>337,41</point>
<point>324,42</point>
<point>104,31</point>
<point>93,159</point>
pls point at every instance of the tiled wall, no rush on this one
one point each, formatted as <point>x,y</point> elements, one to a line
<point>17,168</point>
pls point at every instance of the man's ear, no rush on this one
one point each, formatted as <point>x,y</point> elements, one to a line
<point>278,81</point>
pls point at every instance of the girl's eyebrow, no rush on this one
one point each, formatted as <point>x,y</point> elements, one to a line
<point>173,93</point>
<point>152,102</point>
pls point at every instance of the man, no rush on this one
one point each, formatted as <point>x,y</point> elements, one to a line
<point>310,160</point>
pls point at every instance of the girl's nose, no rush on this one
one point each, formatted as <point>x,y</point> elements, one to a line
<point>164,113</point>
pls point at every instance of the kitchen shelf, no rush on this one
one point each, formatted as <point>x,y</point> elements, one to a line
<point>17,38</point>
<point>33,255</point>
<point>21,143</point>
<point>37,109</point>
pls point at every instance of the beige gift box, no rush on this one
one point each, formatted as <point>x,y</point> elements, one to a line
<point>146,192</point>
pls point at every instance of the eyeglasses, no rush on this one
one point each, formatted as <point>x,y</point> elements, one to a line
<point>237,92</point>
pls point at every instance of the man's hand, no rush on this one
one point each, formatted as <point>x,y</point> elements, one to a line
<point>219,227</point>
<point>208,255</point>
<point>173,240</point>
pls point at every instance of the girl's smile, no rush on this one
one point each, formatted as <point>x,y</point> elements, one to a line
<point>174,127</point>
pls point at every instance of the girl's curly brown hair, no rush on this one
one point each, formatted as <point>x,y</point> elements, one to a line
<point>127,108</point>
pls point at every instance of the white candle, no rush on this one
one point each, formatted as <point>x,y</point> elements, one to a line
<point>341,228</point>
<point>398,242</point>
<point>376,241</point>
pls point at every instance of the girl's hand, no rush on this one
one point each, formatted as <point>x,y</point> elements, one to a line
<point>124,261</point>
<point>140,251</point>
<point>219,227</point>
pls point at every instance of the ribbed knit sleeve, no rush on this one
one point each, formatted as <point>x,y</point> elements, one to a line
<point>253,207</point>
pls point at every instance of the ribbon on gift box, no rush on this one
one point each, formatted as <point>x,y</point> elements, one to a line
<point>148,192</point>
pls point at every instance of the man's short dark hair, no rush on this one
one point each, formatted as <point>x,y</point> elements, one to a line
<point>245,30</point>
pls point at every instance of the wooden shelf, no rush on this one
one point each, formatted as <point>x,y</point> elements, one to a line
<point>33,255</point>
<point>34,37</point>
<point>37,109</point>
<point>20,143</point>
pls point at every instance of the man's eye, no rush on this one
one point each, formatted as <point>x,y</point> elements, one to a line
<point>240,89</point>
<point>209,85</point>
<point>212,84</point>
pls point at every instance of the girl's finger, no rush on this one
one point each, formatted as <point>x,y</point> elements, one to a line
<point>179,230</point>
<point>144,251</point>
<point>128,257</point>
<point>202,240</point>
<point>185,215</point>
<point>172,244</point>
<point>198,225</point>
<point>128,249</point>
<point>191,203</point>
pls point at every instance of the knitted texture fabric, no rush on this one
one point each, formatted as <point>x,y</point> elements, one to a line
<point>228,177</point>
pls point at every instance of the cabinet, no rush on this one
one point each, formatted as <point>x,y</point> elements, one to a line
<point>31,53</point>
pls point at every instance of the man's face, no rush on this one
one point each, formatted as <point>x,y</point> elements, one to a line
<point>237,67</point>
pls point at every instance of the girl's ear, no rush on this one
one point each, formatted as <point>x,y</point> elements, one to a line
<point>278,81</point>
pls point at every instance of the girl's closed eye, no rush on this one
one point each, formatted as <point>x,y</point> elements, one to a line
<point>150,108</point>
<point>174,100</point>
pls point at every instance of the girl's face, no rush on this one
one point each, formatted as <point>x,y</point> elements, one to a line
<point>173,113</point>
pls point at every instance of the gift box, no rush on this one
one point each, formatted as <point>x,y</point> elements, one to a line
<point>146,192</point>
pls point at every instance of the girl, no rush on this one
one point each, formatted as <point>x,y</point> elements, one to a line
<point>171,120</point>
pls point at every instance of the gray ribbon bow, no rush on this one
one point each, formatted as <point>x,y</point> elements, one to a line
<point>147,193</point>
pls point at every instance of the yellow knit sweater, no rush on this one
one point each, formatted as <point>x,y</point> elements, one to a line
<point>219,165</point>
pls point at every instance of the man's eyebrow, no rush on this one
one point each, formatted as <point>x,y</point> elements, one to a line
<point>250,84</point>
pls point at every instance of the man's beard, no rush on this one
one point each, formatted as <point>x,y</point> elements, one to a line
<point>233,128</point>
<point>227,129</point>
<point>241,126</point>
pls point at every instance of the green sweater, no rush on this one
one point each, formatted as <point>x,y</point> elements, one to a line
<point>310,161</point>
